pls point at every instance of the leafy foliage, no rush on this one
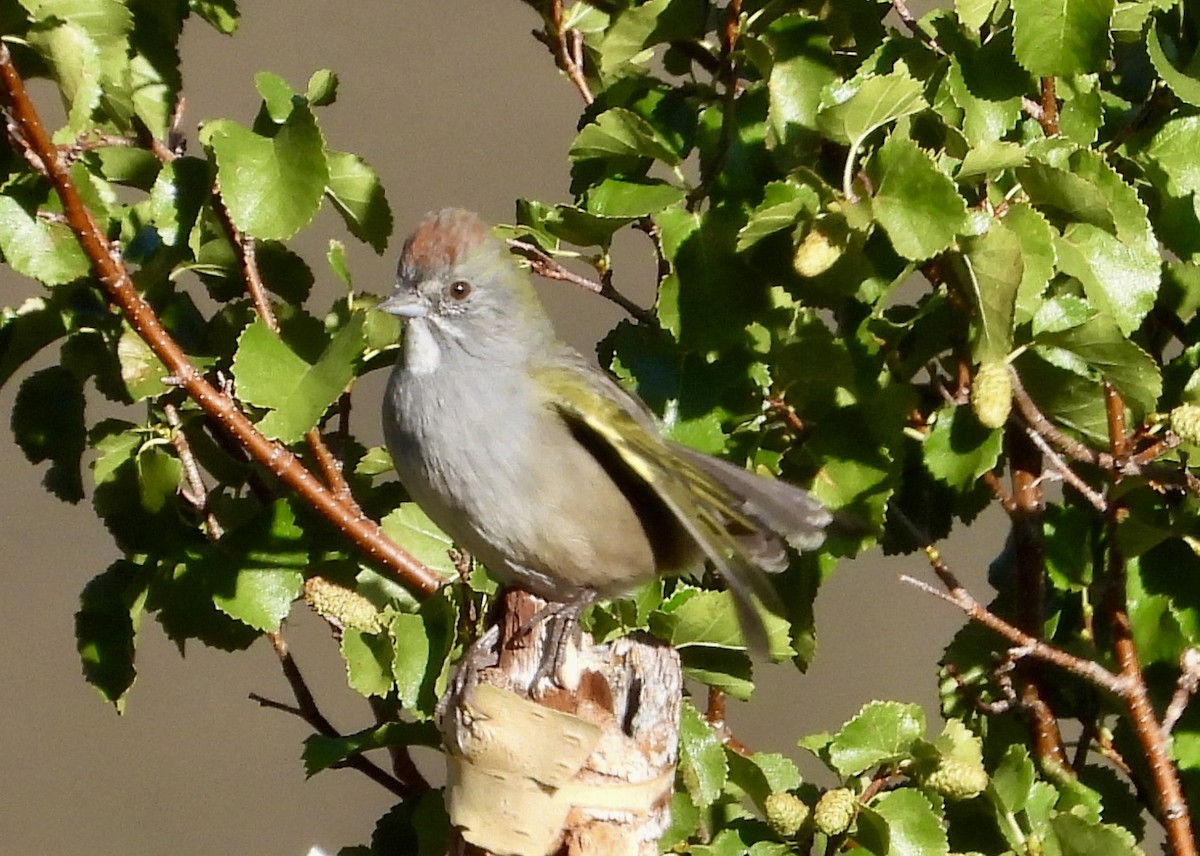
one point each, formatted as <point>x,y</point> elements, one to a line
<point>890,255</point>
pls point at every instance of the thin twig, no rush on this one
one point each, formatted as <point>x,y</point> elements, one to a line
<point>548,267</point>
<point>1069,476</point>
<point>306,709</point>
<point>115,279</point>
<point>247,247</point>
<point>197,493</point>
<point>727,78</point>
<point>1189,682</point>
<point>567,46</point>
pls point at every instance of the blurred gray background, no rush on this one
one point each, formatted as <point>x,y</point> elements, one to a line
<point>452,102</point>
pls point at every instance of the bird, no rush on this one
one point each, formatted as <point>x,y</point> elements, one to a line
<point>540,464</point>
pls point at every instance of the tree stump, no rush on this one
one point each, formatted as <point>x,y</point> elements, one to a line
<point>586,768</point>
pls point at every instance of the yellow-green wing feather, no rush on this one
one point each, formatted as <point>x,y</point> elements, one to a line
<point>703,506</point>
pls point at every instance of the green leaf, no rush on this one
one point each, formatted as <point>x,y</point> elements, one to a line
<point>883,732</point>
<point>24,331</point>
<point>1118,278</point>
<point>257,569</point>
<point>994,273</point>
<point>271,375</point>
<point>410,656</point>
<point>106,628</point>
<point>1061,37</point>
<point>1078,837</point>
<point>48,424</point>
<point>618,197</point>
<point>158,477</point>
<point>762,773</point>
<point>221,15</point>
<point>1038,259</point>
<point>356,192</point>
<point>618,132</point>
<point>142,371</point>
<point>411,528</point>
<point>322,88</point>
<point>321,752</point>
<point>974,13</point>
<point>278,96</point>
<point>914,828</point>
<point>959,450</point>
<point>272,186</point>
<point>1173,149</point>
<point>634,30</point>
<point>1013,780</point>
<point>45,251</point>
<point>709,618</point>
<point>990,158</point>
<point>802,66</point>
<point>368,659</point>
<point>1184,84</point>
<point>783,202</point>
<point>916,203</point>
<point>1106,352</point>
<point>701,757</point>
<point>853,109</point>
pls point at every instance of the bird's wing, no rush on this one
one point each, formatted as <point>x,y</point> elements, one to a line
<point>704,506</point>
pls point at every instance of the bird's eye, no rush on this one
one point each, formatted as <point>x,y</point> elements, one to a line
<point>460,289</point>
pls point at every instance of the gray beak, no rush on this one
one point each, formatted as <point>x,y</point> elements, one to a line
<point>405,303</point>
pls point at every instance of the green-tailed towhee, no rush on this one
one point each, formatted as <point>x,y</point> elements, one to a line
<point>538,463</point>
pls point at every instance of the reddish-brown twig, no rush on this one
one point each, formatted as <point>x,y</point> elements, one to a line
<point>117,283</point>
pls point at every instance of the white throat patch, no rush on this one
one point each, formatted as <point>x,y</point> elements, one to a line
<point>421,353</point>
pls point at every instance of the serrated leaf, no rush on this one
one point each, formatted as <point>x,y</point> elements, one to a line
<point>356,192</point>
<point>257,569</point>
<point>272,186</point>
<point>411,528</point>
<point>47,252</point>
<point>221,15</point>
<point>626,199</point>
<point>709,618</point>
<point>883,732</point>
<point>783,202</point>
<point>916,203</point>
<point>618,132</point>
<point>855,108</point>
<point>991,157</point>
<point>321,752</point>
<point>914,828</point>
<point>1107,352</point>
<point>1183,84</point>
<point>995,268</point>
<point>48,425</point>
<point>410,656</point>
<point>24,331</point>
<point>1118,278</point>
<point>1038,258</point>
<point>1061,37</point>
<point>701,758</point>
<point>761,774</point>
<point>106,628</point>
<point>634,30</point>
<point>368,659</point>
<point>270,375</point>
<point>142,371</point>
<point>1013,780</point>
<point>1173,149</point>
<point>801,67</point>
<point>158,477</point>
<point>278,96</point>
<point>322,88</point>
<point>973,13</point>
<point>959,450</point>
<point>1078,837</point>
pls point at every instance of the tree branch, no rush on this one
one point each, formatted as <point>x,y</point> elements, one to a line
<point>115,279</point>
<point>544,265</point>
<point>306,709</point>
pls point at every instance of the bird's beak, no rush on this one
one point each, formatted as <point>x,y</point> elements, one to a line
<point>405,303</point>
